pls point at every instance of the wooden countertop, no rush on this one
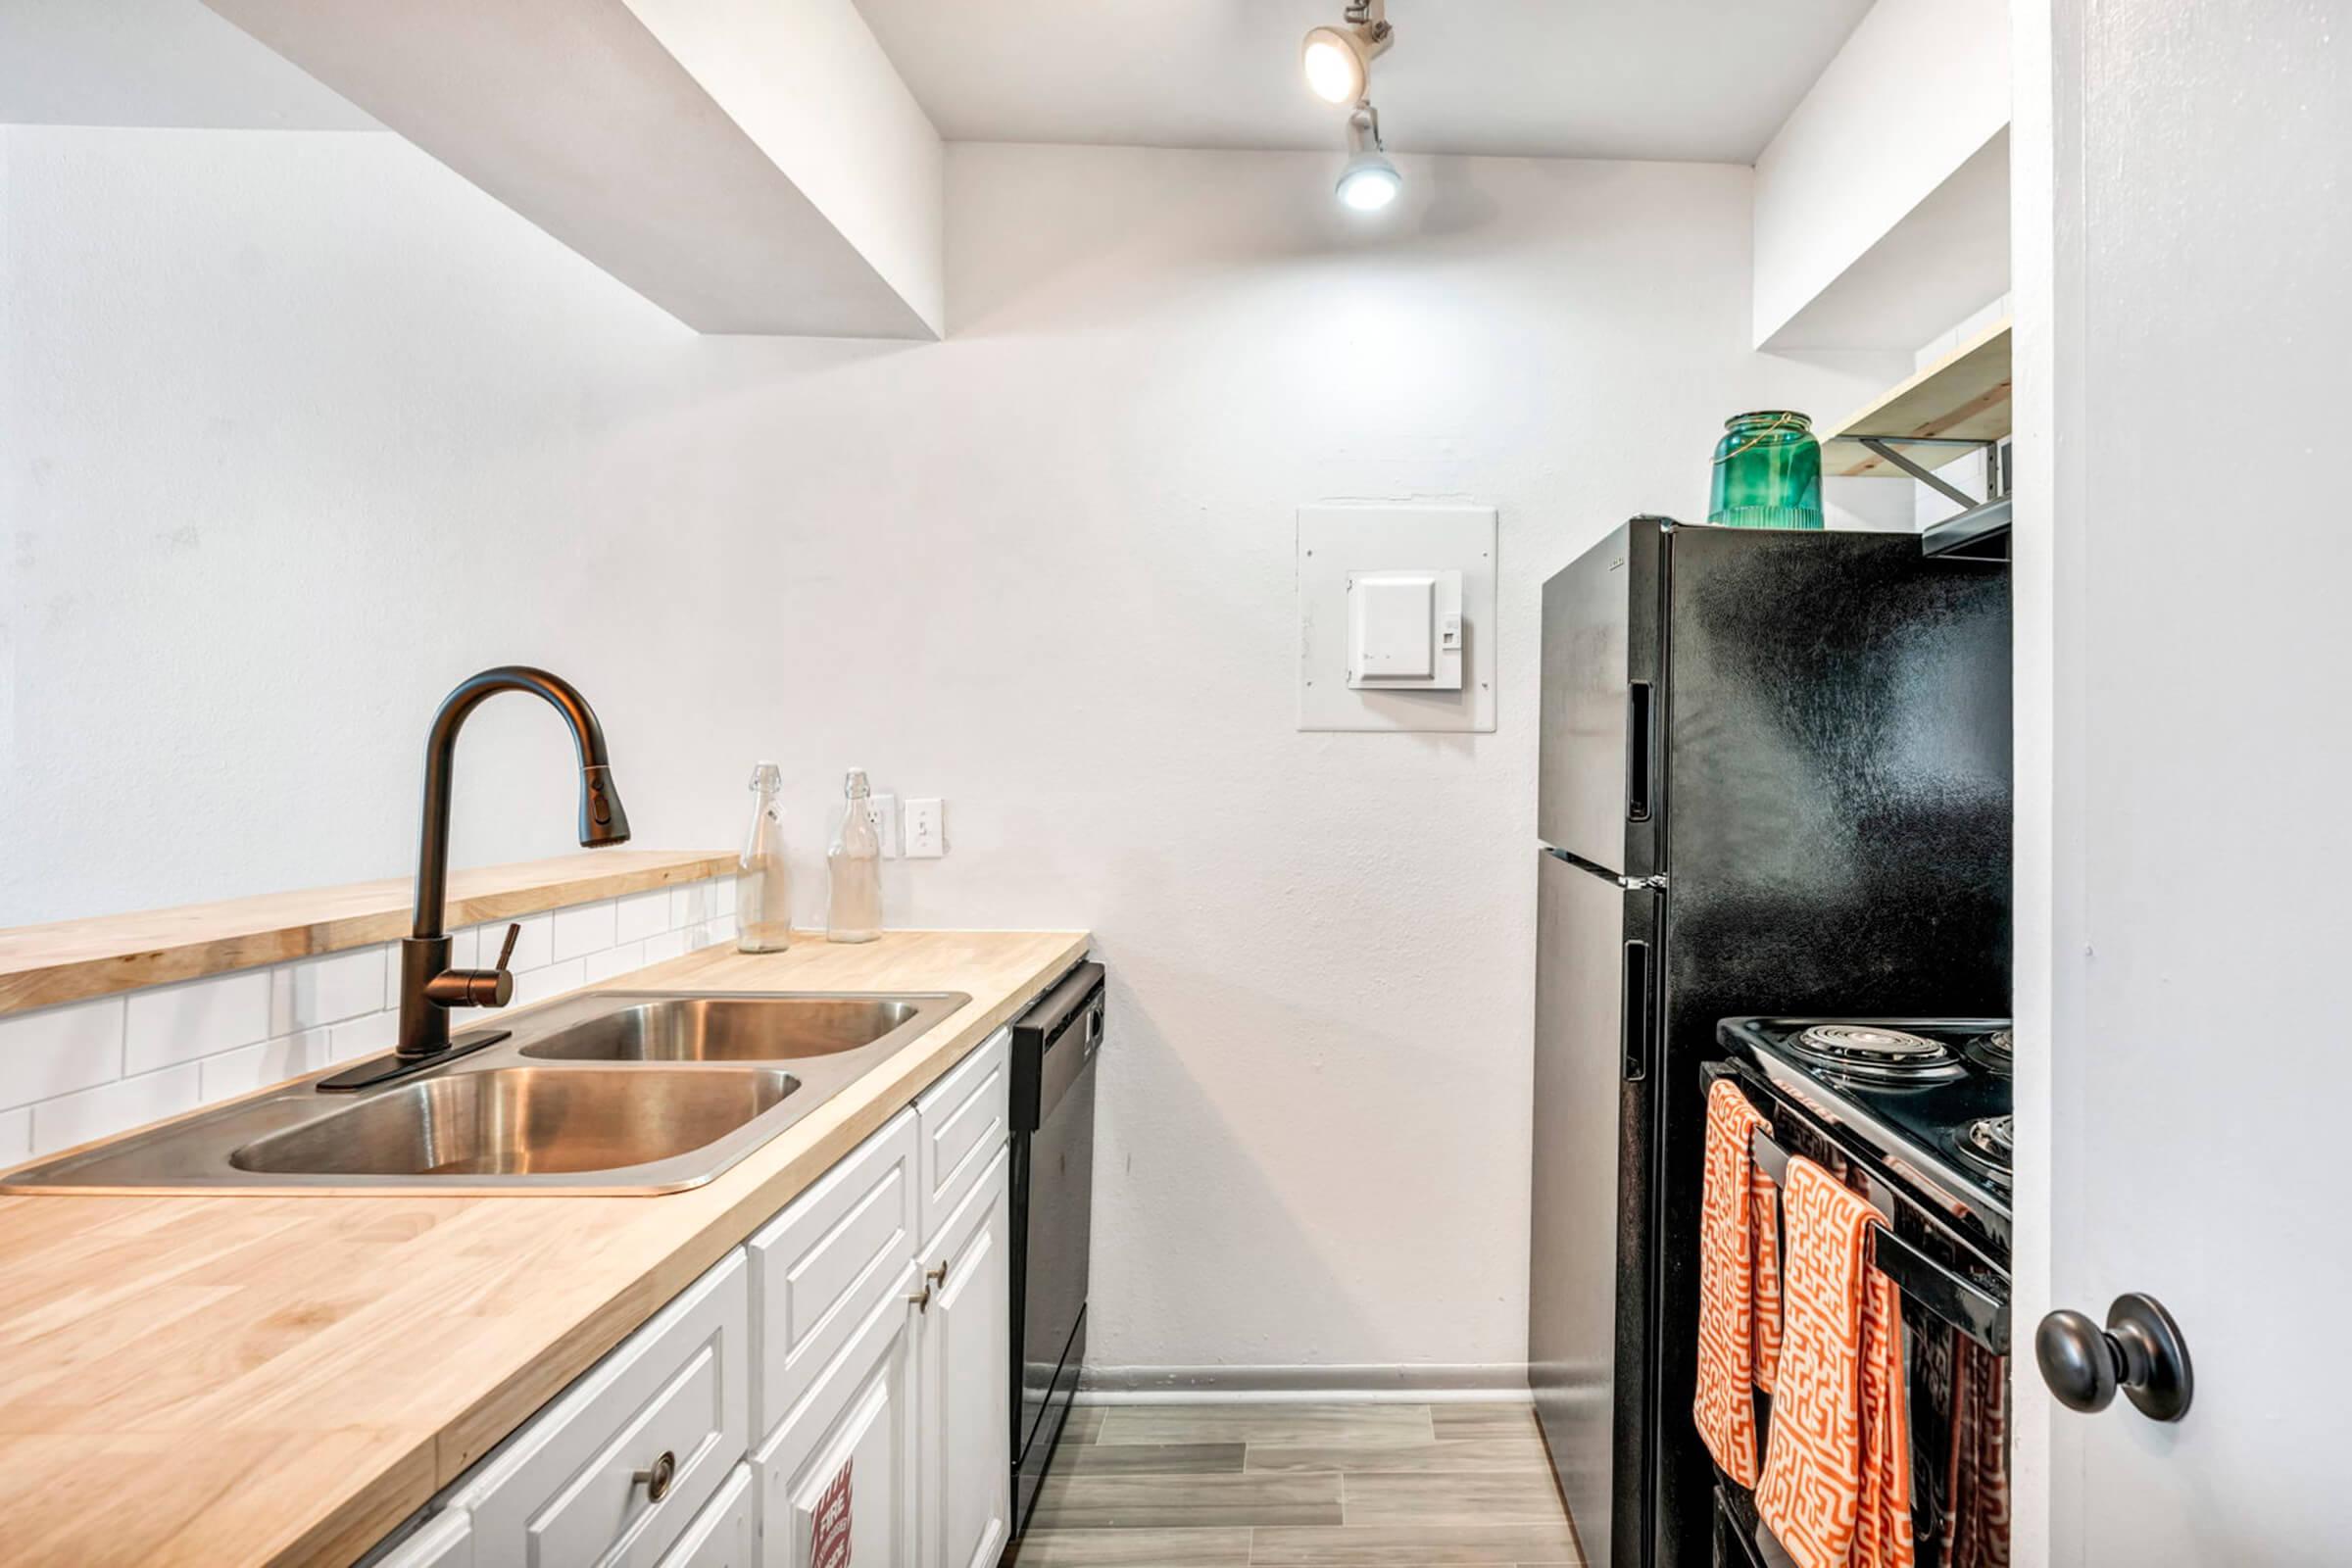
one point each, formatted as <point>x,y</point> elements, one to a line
<point>69,960</point>
<point>224,1379</point>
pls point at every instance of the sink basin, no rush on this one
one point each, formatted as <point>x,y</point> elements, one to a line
<point>521,1121</point>
<point>732,1029</point>
<point>605,1090</point>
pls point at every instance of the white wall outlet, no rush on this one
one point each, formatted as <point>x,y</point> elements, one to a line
<point>926,830</point>
<point>883,811</point>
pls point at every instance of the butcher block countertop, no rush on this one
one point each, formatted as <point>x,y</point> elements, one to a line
<point>220,1380</point>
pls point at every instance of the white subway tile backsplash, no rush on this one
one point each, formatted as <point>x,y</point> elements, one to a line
<point>77,1118</point>
<point>16,1136</point>
<point>273,1061</point>
<point>317,991</point>
<point>534,945</point>
<point>378,1031</point>
<point>643,914</point>
<point>585,928</point>
<point>58,1050</point>
<point>552,981</point>
<point>89,1069</point>
<point>180,1023</point>
<point>615,960</point>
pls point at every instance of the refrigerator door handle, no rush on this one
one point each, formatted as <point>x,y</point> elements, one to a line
<point>1634,1008</point>
<point>1639,705</point>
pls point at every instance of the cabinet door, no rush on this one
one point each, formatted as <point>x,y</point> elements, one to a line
<point>967,1381</point>
<point>845,1460</point>
<point>727,1534</point>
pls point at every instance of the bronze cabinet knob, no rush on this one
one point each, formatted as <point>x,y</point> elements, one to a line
<point>2141,1351</point>
<point>658,1480</point>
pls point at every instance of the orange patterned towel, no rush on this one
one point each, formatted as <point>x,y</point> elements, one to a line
<point>1739,1285</point>
<point>1836,1487</point>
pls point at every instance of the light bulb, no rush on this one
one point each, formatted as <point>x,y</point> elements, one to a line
<point>1369,182</point>
<point>1335,69</point>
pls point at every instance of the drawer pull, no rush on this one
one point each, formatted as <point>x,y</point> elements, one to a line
<point>937,1276</point>
<point>920,1302</point>
<point>658,1480</point>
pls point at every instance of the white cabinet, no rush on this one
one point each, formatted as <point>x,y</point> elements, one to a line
<point>445,1541</point>
<point>727,1534</point>
<point>819,1268</point>
<point>614,1470</point>
<point>967,1362</point>
<point>846,1458</point>
<point>964,1120</point>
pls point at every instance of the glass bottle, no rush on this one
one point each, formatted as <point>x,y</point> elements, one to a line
<point>855,863</point>
<point>763,885</point>
<point>1767,473</point>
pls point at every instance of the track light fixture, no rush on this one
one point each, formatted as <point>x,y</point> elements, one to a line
<point>1369,181</point>
<point>1337,62</point>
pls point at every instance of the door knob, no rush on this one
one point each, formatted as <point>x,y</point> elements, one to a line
<point>2141,1351</point>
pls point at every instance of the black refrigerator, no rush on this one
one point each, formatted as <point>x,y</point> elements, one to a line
<point>1775,778</point>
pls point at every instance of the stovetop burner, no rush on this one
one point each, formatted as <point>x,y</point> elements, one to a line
<point>1989,1144</point>
<point>1874,1053</point>
<point>1927,1099</point>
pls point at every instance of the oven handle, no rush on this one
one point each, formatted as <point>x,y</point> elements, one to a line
<point>1955,1298</point>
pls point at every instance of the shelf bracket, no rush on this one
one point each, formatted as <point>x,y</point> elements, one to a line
<point>1878,447</point>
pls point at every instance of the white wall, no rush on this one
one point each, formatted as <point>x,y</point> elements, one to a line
<point>303,429</point>
<point>1920,88</point>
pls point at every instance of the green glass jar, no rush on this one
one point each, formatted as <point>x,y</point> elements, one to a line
<point>1767,473</point>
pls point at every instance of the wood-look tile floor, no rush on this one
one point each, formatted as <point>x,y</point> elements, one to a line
<point>1301,1485</point>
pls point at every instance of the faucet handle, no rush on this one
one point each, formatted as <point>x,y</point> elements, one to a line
<point>506,954</point>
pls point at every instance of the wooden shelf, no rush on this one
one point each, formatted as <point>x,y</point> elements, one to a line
<point>1962,397</point>
<point>41,965</point>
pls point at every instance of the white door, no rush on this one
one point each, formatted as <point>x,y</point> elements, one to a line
<point>2184,588</point>
<point>968,1382</point>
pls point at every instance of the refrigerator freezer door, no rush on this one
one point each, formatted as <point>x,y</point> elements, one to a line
<point>1586,1301</point>
<point>1600,788</point>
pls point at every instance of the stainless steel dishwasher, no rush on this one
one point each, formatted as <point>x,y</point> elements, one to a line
<point>1053,1050</point>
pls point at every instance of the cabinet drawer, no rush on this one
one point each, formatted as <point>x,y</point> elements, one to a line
<point>563,1492</point>
<point>964,1125</point>
<point>819,1268</point>
<point>727,1534</point>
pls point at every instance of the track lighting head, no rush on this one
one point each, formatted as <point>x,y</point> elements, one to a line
<point>1369,181</point>
<point>1337,61</point>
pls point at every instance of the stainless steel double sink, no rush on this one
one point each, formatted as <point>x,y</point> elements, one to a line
<point>614,1091</point>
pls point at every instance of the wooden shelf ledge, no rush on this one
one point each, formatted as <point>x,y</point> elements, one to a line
<point>72,960</point>
<point>1962,397</point>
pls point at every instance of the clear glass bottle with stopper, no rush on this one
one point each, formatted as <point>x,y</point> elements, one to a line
<point>763,885</point>
<point>855,911</point>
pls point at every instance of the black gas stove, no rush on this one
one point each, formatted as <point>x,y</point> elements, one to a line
<point>1928,1099</point>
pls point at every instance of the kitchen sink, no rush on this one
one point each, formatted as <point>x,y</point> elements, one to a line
<point>734,1028</point>
<point>517,1121</point>
<point>608,1091</point>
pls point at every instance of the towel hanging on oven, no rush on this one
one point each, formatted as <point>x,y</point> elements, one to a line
<point>1738,1283</point>
<point>1837,1484</point>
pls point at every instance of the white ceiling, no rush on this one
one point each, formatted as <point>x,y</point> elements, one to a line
<point>1691,79</point>
<point>152,63</point>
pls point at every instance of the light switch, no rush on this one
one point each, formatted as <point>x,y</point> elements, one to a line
<point>926,837</point>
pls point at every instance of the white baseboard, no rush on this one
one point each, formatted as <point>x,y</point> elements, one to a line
<point>1500,1383</point>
